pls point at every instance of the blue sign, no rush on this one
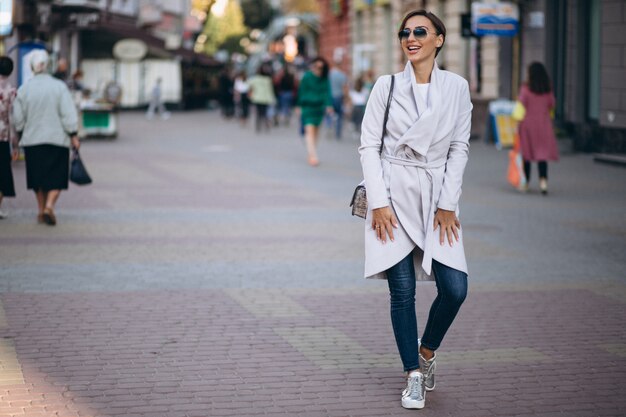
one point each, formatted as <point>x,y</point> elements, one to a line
<point>499,19</point>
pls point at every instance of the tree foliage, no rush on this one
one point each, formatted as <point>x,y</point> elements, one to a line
<point>257,13</point>
<point>219,29</point>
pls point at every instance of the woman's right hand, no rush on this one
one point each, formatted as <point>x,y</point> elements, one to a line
<point>383,222</point>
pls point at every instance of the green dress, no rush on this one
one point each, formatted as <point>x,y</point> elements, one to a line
<point>313,98</point>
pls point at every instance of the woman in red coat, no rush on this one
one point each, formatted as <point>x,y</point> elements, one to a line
<point>537,140</point>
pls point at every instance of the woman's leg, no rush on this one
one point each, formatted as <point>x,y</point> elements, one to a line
<point>543,176</point>
<point>527,171</point>
<point>451,292</point>
<point>51,198</point>
<point>543,169</point>
<point>401,280</point>
<point>310,132</point>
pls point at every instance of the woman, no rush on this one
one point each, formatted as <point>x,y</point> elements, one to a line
<point>413,187</point>
<point>537,140</point>
<point>286,90</point>
<point>358,98</point>
<point>45,116</point>
<point>8,138</point>
<point>241,97</point>
<point>314,100</point>
<point>262,95</point>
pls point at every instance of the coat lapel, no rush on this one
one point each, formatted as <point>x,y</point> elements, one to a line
<point>422,133</point>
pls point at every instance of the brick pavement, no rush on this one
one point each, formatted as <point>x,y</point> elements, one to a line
<point>210,272</point>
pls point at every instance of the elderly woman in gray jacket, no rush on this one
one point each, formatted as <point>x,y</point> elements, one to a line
<point>46,120</point>
<point>412,231</point>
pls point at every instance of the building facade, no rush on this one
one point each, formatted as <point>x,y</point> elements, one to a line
<point>84,33</point>
<point>334,39</point>
<point>581,42</point>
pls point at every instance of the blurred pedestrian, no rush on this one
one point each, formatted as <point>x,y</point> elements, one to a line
<point>226,92</point>
<point>314,101</point>
<point>242,101</point>
<point>262,96</point>
<point>76,83</point>
<point>358,99</point>
<point>536,133</point>
<point>368,80</point>
<point>61,72</point>
<point>156,102</point>
<point>413,187</point>
<point>286,93</point>
<point>8,138</point>
<point>46,120</point>
<point>338,89</point>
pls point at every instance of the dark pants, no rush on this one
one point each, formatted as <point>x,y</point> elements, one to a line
<point>261,117</point>
<point>543,169</point>
<point>451,292</point>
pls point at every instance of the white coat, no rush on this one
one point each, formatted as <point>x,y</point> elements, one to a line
<point>420,169</point>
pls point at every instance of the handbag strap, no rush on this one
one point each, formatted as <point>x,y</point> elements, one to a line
<point>382,137</point>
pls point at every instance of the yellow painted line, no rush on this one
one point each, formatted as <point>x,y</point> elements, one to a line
<point>268,303</point>
<point>618,349</point>
<point>329,348</point>
<point>10,369</point>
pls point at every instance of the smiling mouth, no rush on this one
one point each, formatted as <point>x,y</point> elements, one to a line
<point>413,48</point>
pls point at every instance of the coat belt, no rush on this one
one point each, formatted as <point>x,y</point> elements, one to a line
<point>425,177</point>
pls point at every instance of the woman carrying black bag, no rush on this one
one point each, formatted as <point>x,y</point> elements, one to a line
<point>45,114</point>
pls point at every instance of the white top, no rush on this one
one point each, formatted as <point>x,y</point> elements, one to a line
<point>359,98</point>
<point>44,112</point>
<point>241,86</point>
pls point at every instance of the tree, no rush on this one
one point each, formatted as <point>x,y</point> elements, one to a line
<point>257,13</point>
<point>218,29</point>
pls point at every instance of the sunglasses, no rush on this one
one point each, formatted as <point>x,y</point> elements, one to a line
<point>419,32</point>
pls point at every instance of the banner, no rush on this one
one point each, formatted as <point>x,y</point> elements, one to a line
<point>499,19</point>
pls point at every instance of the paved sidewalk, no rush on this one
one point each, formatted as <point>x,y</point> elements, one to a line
<point>209,271</point>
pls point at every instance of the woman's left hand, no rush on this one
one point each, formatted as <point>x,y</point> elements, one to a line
<point>329,110</point>
<point>75,142</point>
<point>448,225</point>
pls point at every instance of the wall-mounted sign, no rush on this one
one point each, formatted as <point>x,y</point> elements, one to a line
<point>6,17</point>
<point>130,50</point>
<point>83,20</point>
<point>536,20</point>
<point>499,19</point>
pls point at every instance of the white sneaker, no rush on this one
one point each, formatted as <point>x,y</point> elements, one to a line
<point>3,214</point>
<point>414,395</point>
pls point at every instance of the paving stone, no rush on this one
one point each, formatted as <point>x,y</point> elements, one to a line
<point>188,282</point>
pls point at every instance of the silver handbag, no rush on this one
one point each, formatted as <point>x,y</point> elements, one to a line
<point>359,198</point>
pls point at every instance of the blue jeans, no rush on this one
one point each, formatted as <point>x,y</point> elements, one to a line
<point>285,101</point>
<point>337,117</point>
<point>451,288</point>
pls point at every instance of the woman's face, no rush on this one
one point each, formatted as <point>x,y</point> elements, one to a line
<point>422,48</point>
<point>318,68</point>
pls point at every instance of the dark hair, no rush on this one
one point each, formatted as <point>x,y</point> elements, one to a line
<point>437,23</point>
<point>6,66</point>
<point>359,84</point>
<point>324,62</point>
<point>538,79</point>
